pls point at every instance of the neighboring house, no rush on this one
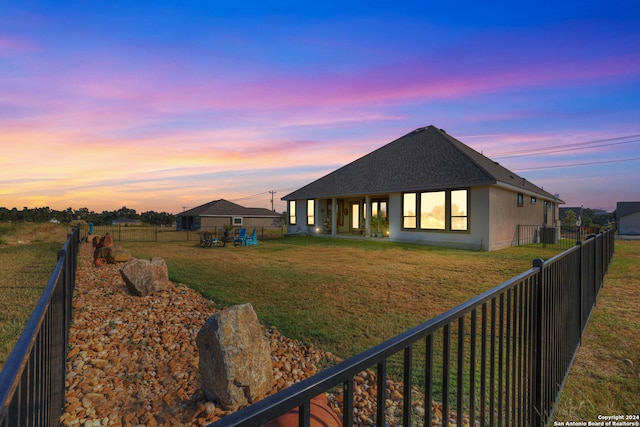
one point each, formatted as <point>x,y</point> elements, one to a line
<point>429,188</point>
<point>223,212</point>
<point>577,211</point>
<point>126,221</point>
<point>628,218</point>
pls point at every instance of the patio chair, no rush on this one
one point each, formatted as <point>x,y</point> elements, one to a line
<point>203,240</point>
<point>241,238</point>
<point>207,240</point>
<point>252,240</point>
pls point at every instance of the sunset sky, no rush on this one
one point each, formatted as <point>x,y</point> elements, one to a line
<point>162,105</point>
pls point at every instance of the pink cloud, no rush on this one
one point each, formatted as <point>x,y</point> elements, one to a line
<point>11,45</point>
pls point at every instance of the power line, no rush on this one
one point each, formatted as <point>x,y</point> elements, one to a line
<point>576,164</point>
<point>543,151</point>
<point>567,147</point>
<point>251,196</point>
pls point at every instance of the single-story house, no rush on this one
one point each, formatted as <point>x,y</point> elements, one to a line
<point>222,212</point>
<point>125,221</point>
<point>628,218</point>
<point>425,187</point>
<point>576,211</point>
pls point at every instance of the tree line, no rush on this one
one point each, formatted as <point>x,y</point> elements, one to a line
<point>68,215</point>
<point>589,218</point>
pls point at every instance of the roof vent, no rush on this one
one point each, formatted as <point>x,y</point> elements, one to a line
<point>442,130</point>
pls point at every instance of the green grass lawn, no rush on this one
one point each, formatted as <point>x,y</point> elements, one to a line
<point>342,295</point>
<point>25,270</point>
<point>28,254</point>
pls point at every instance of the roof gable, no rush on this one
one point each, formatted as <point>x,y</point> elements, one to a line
<point>627,208</point>
<point>224,207</point>
<point>425,159</point>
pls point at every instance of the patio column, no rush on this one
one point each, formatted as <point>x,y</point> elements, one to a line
<point>367,222</point>
<point>334,216</point>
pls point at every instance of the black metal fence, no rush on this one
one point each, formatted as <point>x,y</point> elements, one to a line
<point>32,381</point>
<point>562,237</point>
<point>499,359</point>
<point>153,233</point>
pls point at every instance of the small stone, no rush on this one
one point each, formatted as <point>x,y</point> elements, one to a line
<point>210,408</point>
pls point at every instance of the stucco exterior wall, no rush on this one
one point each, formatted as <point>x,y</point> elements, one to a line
<point>494,216</point>
<point>477,238</point>
<point>505,216</point>
<point>629,225</point>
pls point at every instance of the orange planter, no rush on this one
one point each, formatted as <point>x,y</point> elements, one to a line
<point>101,262</point>
<point>321,415</point>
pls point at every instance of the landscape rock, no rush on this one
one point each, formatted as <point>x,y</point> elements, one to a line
<point>113,254</point>
<point>105,242</point>
<point>117,254</point>
<point>145,277</point>
<point>234,358</point>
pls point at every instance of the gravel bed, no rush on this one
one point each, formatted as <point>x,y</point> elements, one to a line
<point>133,361</point>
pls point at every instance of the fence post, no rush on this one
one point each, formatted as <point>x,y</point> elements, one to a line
<point>581,294</point>
<point>537,418</point>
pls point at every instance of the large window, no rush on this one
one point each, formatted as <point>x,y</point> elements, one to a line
<point>379,207</point>
<point>432,210</point>
<point>409,209</point>
<point>292,212</point>
<point>459,214</point>
<point>439,210</point>
<point>311,216</point>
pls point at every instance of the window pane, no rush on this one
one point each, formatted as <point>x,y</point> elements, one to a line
<point>432,210</point>
<point>409,205</point>
<point>459,203</point>
<point>311,220</point>
<point>459,223</point>
<point>292,212</point>
<point>409,222</point>
<point>355,219</point>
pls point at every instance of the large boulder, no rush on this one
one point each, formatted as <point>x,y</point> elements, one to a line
<point>117,254</point>
<point>144,277</point>
<point>235,358</point>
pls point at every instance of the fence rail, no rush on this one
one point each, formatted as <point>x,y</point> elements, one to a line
<point>499,359</point>
<point>562,237</point>
<point>32,381</point>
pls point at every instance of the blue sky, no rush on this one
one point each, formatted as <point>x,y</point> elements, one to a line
<point>162,105</point>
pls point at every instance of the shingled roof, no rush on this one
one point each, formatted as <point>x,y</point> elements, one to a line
<point>224,207</point>
<point>425,159</point>
<point>627,208</point>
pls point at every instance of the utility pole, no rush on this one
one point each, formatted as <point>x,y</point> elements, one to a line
<point>272,193</point>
